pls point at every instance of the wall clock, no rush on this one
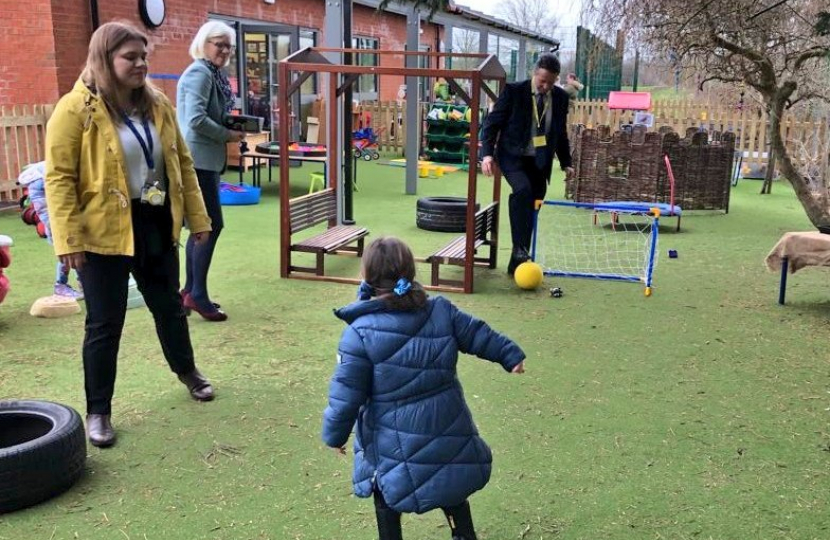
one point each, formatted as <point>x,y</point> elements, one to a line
<point>152,12</point>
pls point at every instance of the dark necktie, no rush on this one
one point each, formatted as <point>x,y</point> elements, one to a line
<point>540,108</point>
<point>541,154</point>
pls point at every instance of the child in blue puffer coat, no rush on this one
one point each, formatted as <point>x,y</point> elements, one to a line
<point>416,445</point>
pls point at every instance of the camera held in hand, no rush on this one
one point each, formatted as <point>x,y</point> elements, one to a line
<point>243,122</point>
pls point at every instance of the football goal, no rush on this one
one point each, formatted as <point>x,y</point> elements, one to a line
<point>596,240</point>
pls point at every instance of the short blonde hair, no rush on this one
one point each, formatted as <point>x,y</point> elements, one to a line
<point>210,30</point>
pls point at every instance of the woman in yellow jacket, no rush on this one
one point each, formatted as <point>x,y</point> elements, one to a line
<point>119,182</point>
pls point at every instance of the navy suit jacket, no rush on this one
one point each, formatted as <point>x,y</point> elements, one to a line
<point>505,132</point>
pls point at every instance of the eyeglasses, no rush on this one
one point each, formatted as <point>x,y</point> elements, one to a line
<point>223,46</point>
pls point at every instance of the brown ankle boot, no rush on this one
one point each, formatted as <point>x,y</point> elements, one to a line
<point>99,430</point>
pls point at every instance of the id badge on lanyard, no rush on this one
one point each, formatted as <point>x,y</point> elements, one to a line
<point>151,192</point>
<point>539,140</point>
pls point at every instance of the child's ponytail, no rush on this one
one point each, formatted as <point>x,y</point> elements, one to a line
<point>389,274</point>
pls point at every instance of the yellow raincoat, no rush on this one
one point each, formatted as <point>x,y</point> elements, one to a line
<point>86,185</point>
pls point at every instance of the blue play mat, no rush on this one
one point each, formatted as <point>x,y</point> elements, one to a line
<point>237,195</point>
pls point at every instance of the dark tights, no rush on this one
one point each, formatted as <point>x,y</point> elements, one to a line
<point>389,521</point>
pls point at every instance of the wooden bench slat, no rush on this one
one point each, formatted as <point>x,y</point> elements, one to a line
<point>331,239</point>
<point>455,252</point>
<point>309,210</point>
<point>313,209</point>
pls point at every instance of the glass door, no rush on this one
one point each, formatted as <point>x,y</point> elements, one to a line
<point>263,46</point>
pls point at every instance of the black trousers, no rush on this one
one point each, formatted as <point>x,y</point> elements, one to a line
<point>105,279</point>
<point>528,184</point>
<point>389,521</point>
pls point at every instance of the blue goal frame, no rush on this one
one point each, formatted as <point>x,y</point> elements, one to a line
<point>644,209</point>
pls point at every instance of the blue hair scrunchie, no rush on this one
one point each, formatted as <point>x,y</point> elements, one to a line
<point>402,286</point>
<point>365,291</point>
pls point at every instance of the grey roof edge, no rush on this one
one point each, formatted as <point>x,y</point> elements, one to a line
<point>462,13</point>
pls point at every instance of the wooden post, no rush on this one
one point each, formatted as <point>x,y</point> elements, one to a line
<point>285,192</point>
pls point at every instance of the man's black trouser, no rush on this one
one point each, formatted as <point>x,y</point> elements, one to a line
<point>529,185</point>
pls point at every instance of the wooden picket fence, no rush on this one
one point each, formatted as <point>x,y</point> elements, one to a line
<point>22,130</point>
<point>808,140</point>
<point>388,120</point>
<point>22,138</point>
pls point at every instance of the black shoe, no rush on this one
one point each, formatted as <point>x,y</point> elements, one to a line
<point>198,386</point>
<point>518,256</point>
<point>99,430</point>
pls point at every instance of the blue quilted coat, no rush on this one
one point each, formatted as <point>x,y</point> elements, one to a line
<point>396,378</point>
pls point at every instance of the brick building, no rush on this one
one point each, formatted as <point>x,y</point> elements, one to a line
<point>45,42</point>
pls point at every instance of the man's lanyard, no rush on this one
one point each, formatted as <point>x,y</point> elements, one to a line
<point>146,147</point>
<point>539,117</point>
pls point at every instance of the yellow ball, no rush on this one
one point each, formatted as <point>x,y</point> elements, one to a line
<point>528,275</point>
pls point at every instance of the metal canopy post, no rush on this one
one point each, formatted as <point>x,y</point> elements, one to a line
<point>521,61</point>
<point>333,38</point>
<point>413,141</point>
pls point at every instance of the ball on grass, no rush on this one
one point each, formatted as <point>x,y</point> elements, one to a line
<point>528,275</point>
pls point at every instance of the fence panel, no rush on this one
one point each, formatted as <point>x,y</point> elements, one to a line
<point>22,138</point>
<point>750,125</point>
<point>388,120</point>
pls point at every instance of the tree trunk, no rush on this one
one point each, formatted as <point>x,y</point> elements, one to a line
<point>766,187</point>
<point>815,201</point>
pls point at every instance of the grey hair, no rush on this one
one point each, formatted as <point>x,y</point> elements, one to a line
<point>210,30</point>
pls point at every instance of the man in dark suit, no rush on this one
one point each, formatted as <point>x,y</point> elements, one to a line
<point>527,125</point>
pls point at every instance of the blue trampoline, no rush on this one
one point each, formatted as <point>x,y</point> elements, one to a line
<point>666,209</point>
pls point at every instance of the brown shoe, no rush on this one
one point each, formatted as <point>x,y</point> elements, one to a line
<point>99,430</point>
<point>198,386</point>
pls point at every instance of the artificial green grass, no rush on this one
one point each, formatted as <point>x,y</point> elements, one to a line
<point>701,412</point>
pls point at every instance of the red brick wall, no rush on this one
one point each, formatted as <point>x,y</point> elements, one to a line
<point>40,61</point>
<point>71,30</point>
<point>27,53</point>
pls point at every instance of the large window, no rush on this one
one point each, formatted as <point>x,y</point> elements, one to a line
<point>367,85</point>
<point>308,38</point>
<point>533,53</point>
<point>507,51</point>
<point>465,40</point>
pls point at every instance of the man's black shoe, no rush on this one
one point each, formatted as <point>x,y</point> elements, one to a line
<point>518,256</point>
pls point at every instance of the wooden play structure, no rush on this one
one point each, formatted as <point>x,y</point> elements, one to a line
<point>313,210</point>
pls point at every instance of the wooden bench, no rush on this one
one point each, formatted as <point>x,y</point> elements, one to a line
<point>313,209</point>
<point>455,253</point>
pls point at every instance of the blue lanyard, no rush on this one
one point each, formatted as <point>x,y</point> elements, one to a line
<point>147,147</point>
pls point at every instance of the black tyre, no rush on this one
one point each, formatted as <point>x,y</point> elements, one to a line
<point>42,451</point>
<point>442,214</point>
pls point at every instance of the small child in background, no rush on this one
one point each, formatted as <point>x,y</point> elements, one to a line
<point>416,445</point>
<point>5,262</point>
<point>32,178</point>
